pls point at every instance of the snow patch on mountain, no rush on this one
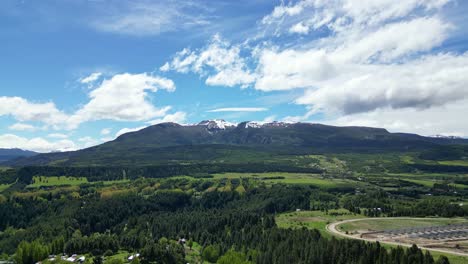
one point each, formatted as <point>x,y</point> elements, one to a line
<point>216,124</point>
<point>257,124</point>
<point>446,136</point>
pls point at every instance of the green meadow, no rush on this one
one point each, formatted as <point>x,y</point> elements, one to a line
<point>42,181</point>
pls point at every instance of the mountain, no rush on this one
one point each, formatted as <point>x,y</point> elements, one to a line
<point>10,154</point>
<point>217,140</point>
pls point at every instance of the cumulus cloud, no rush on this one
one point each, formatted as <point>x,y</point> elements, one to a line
<point>239,109</point>
<point>364,59</point>
<point>24,110</point>
<point>124,97</point>
<point>429,81</point>
<point>35,144</point>
<point>220,62</point>
<point>440,120</point>
<point>128,130</point>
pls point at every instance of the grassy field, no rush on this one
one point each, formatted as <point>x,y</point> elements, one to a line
<point>434,176</point>
<point>454,162</point>
<point>291,178</point>
<point>383,224</point>
<point>314,219</point>
<point>4,187</point>
<point>42,181</point>
<point>427,179</point>
<point>114,182</point>
<point>39,181</point>
<point>121,255</point>
<point>194,255</point>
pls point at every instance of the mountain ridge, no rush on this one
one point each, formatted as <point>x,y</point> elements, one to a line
<point>219,140</point>
<point>13,153</point>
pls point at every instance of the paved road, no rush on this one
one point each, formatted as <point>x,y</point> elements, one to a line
<point>332,228</point>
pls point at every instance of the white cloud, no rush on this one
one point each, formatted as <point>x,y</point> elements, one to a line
<point>91,78</point>
<point>105,131</point>
<point>128,130</point>
<point>300,28</point>
<point>354,58</point>
<point>142,18</point>
<point>57,135</point>
<point>220,62</point>
<point>430,81</point>
<point>35,144</point>
<point>281,11</point>
<point>23,110</point>
<point>239,109</point>
<point>22,127</point>
<point>441,120</point>
<point>343,15</point>
<point>124,97</point>
<point>88,141</point>
<point>291,69</point>
<point>107,139</point>
<point>394,40</point>
<point>177,117</point>
<point>269,119</point>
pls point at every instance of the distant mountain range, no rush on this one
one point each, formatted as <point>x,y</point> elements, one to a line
<point>9,154</point>
<point>217,140</point>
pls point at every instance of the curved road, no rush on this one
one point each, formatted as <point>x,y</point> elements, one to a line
<point>332,228</point>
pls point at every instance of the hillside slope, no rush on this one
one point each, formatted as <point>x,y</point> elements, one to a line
<point>213,140</point>
<point>10,154</point>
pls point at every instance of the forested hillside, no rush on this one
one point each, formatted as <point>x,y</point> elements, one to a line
<point>173,143</point>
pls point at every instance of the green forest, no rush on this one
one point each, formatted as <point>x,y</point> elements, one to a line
<point>207,216</point>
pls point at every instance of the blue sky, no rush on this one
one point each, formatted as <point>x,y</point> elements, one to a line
<point>77,73</point>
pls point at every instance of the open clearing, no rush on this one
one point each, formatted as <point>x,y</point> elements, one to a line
<point>50,181</point>
<point>292,178</point>
<point>40,181</point>
<point>4,187</point>
<point>314,219</point>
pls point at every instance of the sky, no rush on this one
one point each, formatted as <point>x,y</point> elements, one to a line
<point>76,73</point>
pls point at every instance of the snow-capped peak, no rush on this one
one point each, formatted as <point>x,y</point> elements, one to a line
<point>216,124</point>
<point>253,125</point>
<point>258,124</point>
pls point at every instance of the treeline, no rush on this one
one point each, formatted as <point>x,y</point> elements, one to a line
<point>451,152</point>
<point>26,174</point>
<point>380,203</point>
<point>8,176</point>
<point>437,168</point>
<point>431,207</point>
